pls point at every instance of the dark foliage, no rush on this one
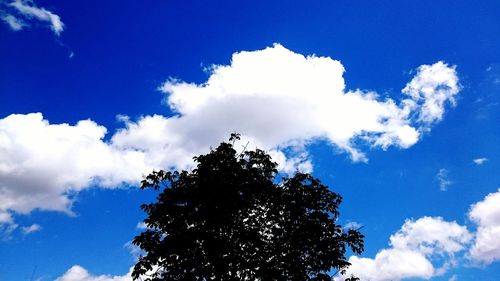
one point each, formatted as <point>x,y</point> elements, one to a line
<point>352,278</point>
<point>228,219</point>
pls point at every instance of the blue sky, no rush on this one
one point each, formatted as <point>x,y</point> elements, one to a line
<point>396,106</point>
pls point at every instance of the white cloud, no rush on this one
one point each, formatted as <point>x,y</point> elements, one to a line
<point>14,23</point>
<point>133,249</point>
<point>141,226</point>
<point>431,235</point>
<point>41,164</point>
<point>353,225</point>
<point>29,11</point>
<point>6,229</point>
<point>279,97</point>
<point>444,180</point>
<point>417,247</point>
<point>7,225</point>
<point>414,251</point>
<point>480,161</point>
<point>279,100</point>
<point>78,273</point>
<point>433,86</point>
<point>31,229</point>
<point>5,217</point>
<point>486,214</point>
<point>392,264</point>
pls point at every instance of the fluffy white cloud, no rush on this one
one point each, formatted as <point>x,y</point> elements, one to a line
<point>486,214</point>
<point>41,164</point>
<point>433,86</point>
<point>392,264</point>
<point>28,10</point>
<point>417,246</point>
<point>480,161</point>
<point>444,180</point>
<point>431,235</point>
<point>279,100</point>
<point>78,273</point>
<point>414,250</point>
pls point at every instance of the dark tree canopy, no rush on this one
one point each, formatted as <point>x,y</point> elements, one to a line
<point>229,219</point>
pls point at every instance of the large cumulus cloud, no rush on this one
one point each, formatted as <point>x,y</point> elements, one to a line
<point>279,100</point>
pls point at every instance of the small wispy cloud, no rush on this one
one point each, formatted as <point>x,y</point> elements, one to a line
<point>353,225</point>
<point>14,23</point>
<point>18,13</point>
<point>480,161</point>
<point>133,249</point>
<point>6,230</point>
<point>443,178</point>
<point>31,229</point>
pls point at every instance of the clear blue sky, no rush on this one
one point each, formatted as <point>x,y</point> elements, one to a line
<point>394,105</point>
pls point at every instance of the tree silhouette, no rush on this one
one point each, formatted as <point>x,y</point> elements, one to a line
<point>230,219</point>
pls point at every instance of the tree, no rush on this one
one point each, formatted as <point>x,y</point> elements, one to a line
<point>230,219</point>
